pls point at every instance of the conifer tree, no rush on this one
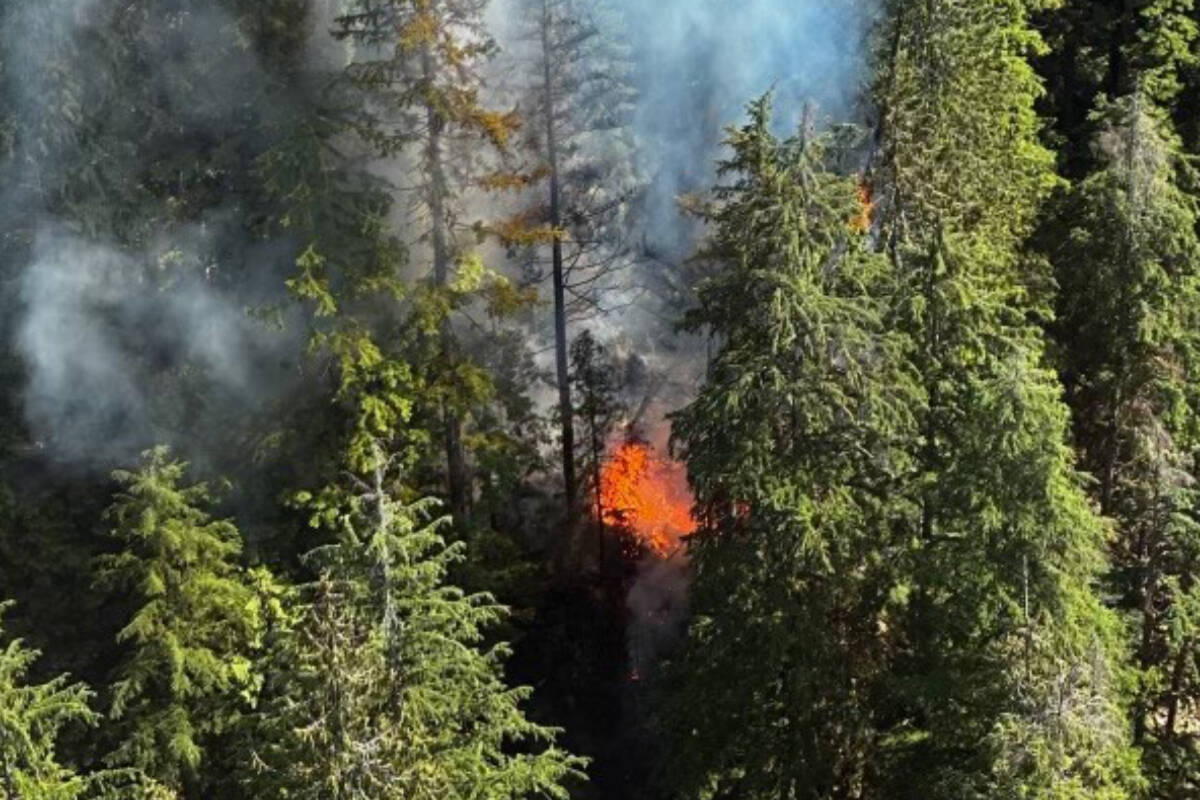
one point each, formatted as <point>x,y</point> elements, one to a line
<point>389,690</point>
<point>418,69</point>
<point>792,449</point>
<point>580,100</point>
<point>1123,243</point>
<point>384,684</point>
<point>31,717</point>
<point>187,658</point>
<point>1127,259</point>
<point>1008,681</point>
<point>1101,50</point>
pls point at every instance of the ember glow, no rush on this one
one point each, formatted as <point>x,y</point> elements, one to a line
<point>647,494</point>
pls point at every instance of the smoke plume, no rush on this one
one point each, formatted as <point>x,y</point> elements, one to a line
<point>132,342</point>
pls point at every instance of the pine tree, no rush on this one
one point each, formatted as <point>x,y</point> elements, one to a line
<point>792,451</point>
<point>187,660</point>
<point>1009,681</point>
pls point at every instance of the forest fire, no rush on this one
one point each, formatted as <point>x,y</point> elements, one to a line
<point>647,494</point>
<point>861,222</point>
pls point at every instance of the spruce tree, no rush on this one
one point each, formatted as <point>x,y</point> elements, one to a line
<point>1008,681</point>
<point>793,449</point>
<point>186,665</point>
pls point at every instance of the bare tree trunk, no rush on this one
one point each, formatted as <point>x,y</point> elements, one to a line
<point>565,408</point>
<point>456,462</point>
<point>597,455</point>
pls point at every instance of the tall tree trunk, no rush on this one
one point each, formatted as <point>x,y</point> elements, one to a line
<point>597,455</point>
<point>456,462</point>
<point>1181,659</point>
<point>565,408</point>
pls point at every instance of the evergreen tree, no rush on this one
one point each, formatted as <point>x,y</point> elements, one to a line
<point>31,716</point>
<point>187,661</point>
<point>792,451</point>
<point>1122,239</point>
<point>1102,50</point>
<point>580,98</point>
<point>1127,259</point>
<point>417,67</point>
<point>1008,681</point>
<point>389,689</point>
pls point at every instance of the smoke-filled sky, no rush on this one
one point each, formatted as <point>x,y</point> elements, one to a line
<point>696,64</point>
<point>701,61</point>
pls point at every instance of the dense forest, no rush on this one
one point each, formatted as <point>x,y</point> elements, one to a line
<point>580,399</point>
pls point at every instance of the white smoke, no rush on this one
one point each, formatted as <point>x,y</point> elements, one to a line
<point>106,333</point>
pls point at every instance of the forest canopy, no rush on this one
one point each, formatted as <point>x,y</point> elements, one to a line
<point>581,399</point>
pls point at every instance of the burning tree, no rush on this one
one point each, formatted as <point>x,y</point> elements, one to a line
<point>632,488</point>
<point>647,495</point>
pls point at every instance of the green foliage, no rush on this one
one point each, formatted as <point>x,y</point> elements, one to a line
<point>1008,682</point>
<point>388,688</point>
<point>901,580</point>
<point>1128,260</point>
<point>31,716</point>
<point>792,449</point>
<point>187,673</point>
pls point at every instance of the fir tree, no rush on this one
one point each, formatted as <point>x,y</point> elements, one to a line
<point>1009,679</point>
<point>187,660</point>
<point>792,450</point>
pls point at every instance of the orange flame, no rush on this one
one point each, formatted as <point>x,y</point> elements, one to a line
<point>861,222</point>
<point>649,495</point>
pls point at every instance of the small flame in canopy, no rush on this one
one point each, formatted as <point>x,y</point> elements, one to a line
<point>647,494</point>
<point>861,222</point>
